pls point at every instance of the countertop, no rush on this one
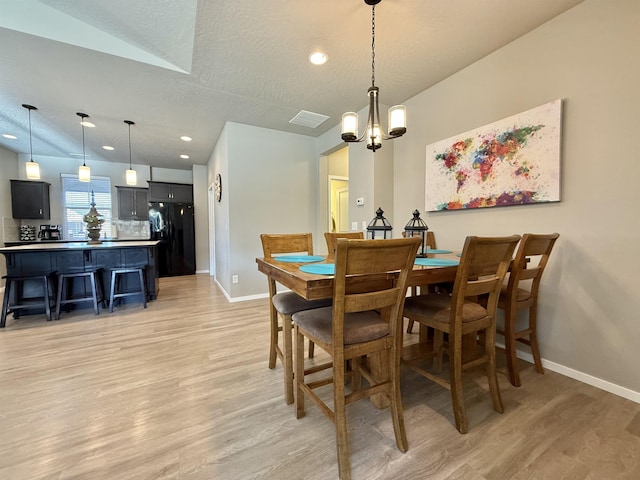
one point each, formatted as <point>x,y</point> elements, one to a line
<point>45,246</point>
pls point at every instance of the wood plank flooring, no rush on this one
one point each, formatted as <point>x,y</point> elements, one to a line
<point>181,390</point>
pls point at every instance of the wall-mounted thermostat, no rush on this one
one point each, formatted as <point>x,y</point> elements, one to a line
<point>360,201</point>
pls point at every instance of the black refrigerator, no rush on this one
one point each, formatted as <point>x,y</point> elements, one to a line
<point>173,225</point>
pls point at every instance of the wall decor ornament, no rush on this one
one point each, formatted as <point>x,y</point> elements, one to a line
<point>514,161</point>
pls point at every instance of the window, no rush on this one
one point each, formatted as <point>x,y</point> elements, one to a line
<point>76,201</point>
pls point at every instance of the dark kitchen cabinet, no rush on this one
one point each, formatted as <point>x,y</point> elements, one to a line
<point>170,192</point>
<point>30,199</point>
<point>133,203</point>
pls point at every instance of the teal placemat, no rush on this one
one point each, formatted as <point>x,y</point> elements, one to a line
<point>435,262</point>
<point>299,258</point>
<point>319,268</point>
<point>436,250</point>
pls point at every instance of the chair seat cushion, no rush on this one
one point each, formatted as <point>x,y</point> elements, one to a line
<point>521,294</point>
<point>288,303</point>
<point>359,327</point>
<point>438,307</point>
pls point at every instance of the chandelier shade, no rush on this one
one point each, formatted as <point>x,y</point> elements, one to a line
<point>33,169</point>
<point>373,133</point>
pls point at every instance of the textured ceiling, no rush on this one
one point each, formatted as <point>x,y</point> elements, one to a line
<point>185,67</point>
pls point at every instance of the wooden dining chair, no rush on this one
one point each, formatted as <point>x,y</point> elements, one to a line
<point>483,265</point>
<point>522,292</point>
<point>365,319</point>
<point>332,240</point>
<point>284,304</point>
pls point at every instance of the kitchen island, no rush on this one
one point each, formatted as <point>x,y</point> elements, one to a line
<point>44,258</point>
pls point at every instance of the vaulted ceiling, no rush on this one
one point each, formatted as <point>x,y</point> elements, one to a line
<point>185,67</point>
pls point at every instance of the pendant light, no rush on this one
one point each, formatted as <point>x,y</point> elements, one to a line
<point>373,132</point>
<point>84,172</point>
<point>33,169</point>
<point>130,175</point>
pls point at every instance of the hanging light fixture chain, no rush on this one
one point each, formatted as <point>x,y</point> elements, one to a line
<point>373,45</point>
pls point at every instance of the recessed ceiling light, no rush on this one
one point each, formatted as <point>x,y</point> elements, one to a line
<point>318,58</point>
<point>184,156</point>
<point>81,155</point>
<point>86,123</point>
<point>186,138</point>
<point>9,136</point>
<point>108,147</point>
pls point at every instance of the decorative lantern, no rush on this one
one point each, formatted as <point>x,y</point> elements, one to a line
<point>94,222</point>
<point>417,228</point>
<point>379,226</point>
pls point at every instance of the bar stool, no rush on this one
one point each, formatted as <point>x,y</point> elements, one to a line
<point>115,292</point>
<point>94,293</point>
<point>16,282</point>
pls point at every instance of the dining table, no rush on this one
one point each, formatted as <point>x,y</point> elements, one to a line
<point>435,268</point>
<point>311,277</point>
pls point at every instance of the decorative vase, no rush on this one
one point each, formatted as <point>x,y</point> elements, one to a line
<point>94,221</point>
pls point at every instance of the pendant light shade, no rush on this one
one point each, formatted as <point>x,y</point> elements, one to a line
<point>131,176</point>
<point>373,134</point>
<point>33,169</point>
<point>84,172</point>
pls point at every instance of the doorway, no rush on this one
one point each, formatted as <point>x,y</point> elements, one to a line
<point>338,204</point>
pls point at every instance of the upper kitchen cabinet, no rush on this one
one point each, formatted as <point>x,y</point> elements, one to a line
<point>30,199</point>
<point>133,203</point>
<point>170,192</point>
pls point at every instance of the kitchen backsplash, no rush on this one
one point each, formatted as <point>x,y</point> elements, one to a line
<point>121,229</point>
<point>130,229</point>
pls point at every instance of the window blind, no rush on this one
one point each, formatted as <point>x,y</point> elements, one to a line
<point>76,202</point>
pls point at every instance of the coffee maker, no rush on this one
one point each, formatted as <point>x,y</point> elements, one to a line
<point>49,232</point>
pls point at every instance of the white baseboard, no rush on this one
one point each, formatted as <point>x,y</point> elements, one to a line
<point>582,377</point>
<point>239,299</point>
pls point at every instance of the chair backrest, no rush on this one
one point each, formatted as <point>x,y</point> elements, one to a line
<point>530,261</point>
<point>286,243</point>
<point>431,239</point>
<point>363,281</point>
<point>332,239</point>
<point>483,265</point>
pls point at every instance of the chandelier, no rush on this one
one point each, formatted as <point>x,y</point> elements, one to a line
<point>373,134</point>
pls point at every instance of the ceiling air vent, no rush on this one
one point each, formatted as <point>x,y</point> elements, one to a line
<point>308,119</point>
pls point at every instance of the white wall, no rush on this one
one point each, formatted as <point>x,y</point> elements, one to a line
<point>201,217</point>
<point>269,186</point>
<point>8,170</point>
<point>588,316</point>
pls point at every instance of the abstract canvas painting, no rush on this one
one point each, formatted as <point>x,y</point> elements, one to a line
<point>514,161</point>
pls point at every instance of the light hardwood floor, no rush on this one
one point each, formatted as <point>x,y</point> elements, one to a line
<point>181,390</point>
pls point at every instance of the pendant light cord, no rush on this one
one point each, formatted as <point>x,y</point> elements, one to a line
<point>30,142</point>
<point>84,156</point>
<point>130,168</point>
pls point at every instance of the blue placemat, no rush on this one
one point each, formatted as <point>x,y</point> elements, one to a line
<point>436,250</point>
<point>435,262</point>
<point>299,258</point>
<point>319,268</point>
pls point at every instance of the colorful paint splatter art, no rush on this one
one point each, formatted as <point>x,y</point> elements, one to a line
<point>514,161</point>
